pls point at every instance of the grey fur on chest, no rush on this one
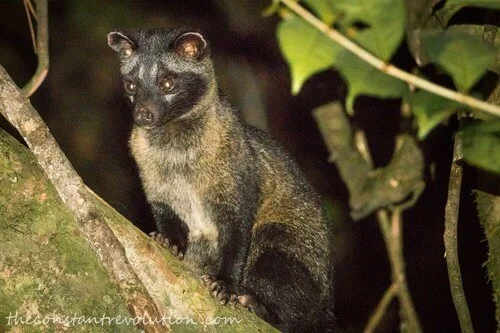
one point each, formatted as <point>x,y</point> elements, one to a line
<point>164,181</point>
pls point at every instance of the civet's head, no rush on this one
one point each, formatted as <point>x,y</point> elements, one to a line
<point>166,74</point>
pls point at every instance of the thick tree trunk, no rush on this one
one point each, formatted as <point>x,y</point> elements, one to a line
<point>487,199</point>
<point>488,206</point>
<point>51,280</point>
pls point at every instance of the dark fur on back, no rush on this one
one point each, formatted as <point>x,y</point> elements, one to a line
<point>225,193</point>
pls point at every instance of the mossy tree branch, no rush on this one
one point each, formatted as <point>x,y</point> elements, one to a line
<point>49,270</point>
<point>16,108</point>
<point>488,206</point>
<point>487,198</point>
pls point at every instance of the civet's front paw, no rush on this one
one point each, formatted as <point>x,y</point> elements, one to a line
<point>219,290</point>
<point>165,242</point>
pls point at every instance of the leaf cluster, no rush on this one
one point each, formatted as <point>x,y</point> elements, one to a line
<point>464,53</point>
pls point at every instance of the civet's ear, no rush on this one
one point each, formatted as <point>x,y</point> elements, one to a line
<point>121,44</point>
<point>191,45</point>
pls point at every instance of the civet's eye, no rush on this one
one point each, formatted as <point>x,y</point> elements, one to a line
<point>130,87</point>
<point>167,84</point>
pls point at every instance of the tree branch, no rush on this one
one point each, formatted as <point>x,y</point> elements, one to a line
<point>450,238</point>
<point>15,107</point>
<point>381,308</point>
<point>388,68</point>
<point>370,190</point>
<point>400,183</point>
<point>42,48</point>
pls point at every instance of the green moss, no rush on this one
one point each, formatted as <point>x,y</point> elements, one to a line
<point>46,266</point>
<point>73,252</point>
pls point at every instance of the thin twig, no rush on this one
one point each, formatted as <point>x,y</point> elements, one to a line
<point>381,308</point>
<point>29,14</point>
<point>399,275</point>
<point>391,228</point>
<point>450,239</point>
<point>387,68</point>
<point>42,49</point>
<point>31,8</point>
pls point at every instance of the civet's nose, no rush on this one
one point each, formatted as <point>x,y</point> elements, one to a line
<point>144,117</point>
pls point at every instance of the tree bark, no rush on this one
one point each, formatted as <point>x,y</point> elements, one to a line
<point>488,207</point>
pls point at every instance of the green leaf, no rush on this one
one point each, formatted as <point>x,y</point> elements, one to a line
<point>386,21</point>
<point>481,145</point>
<point>486,33</point>
<point>364,79</point>
<point>307,50</point>
<point>322,8</point>
<point>451,7</point>
<point>466,59</point>
<point>431,110</point>
<point>421,17</point>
